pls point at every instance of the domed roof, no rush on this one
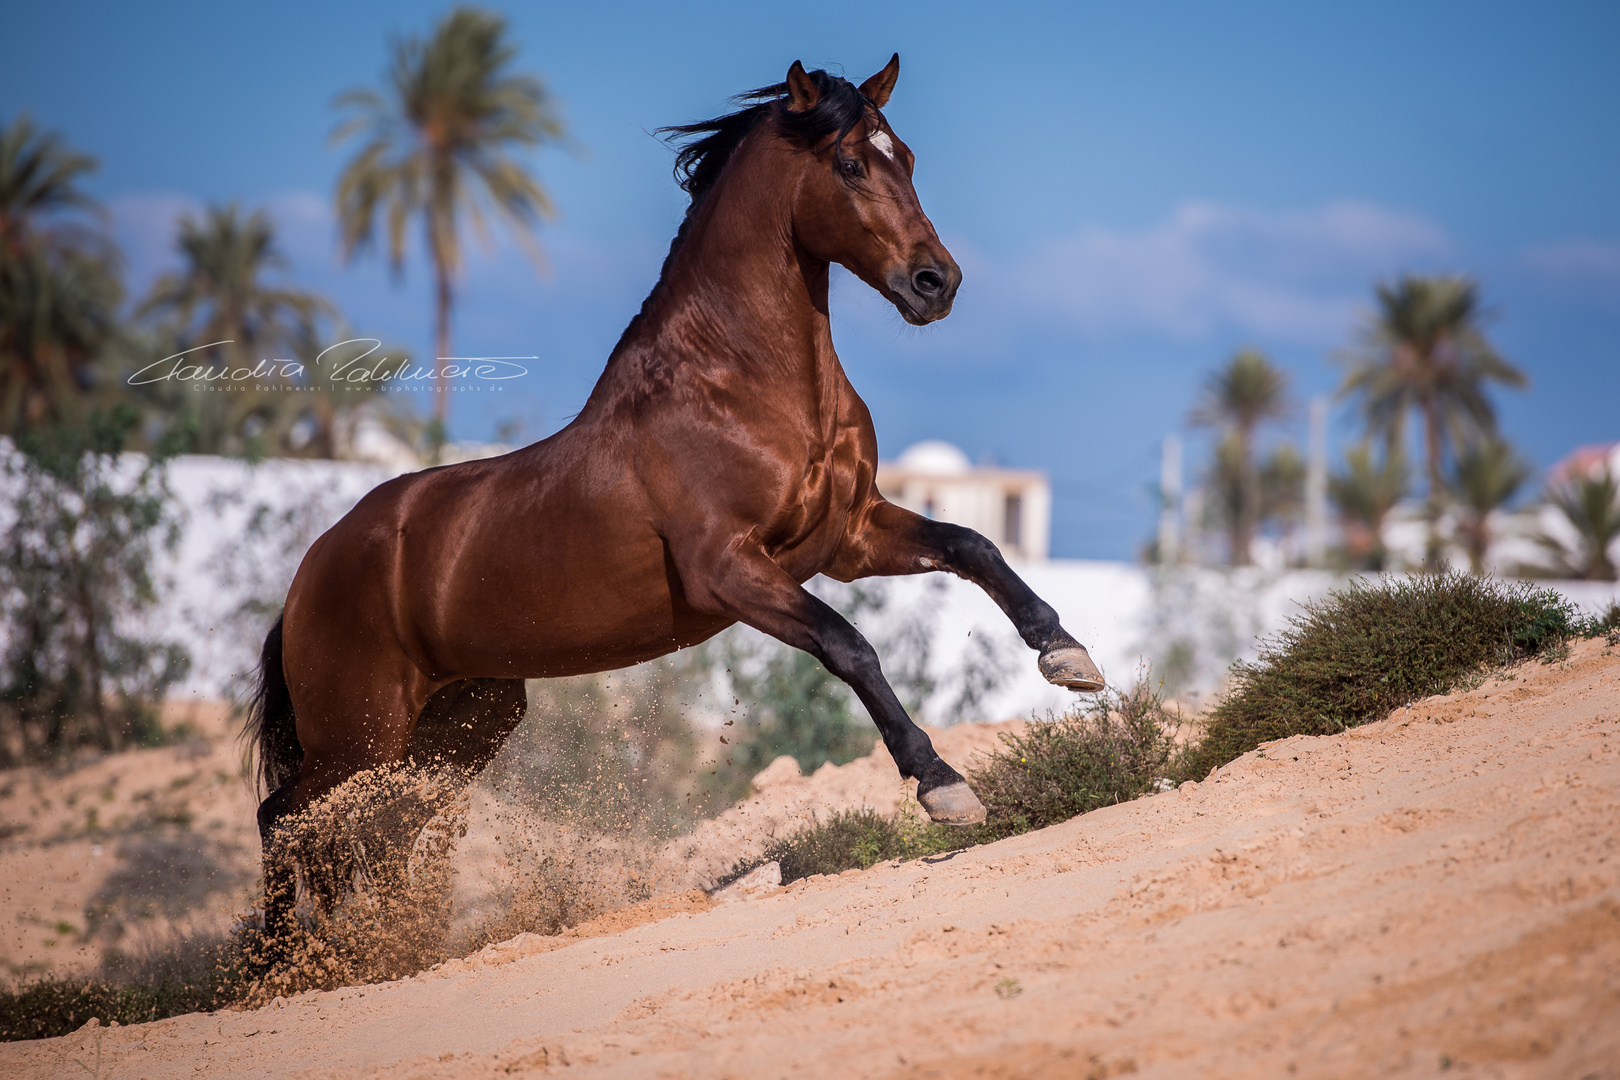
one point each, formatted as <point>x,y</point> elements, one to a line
<point>934,457</point>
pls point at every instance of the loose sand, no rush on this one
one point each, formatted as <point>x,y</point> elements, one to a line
<point>126,850</point>
<point>1435,893</point>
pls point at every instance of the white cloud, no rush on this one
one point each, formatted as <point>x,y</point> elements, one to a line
<point>147,223</point>
<point>1581,258</point>
<point>1296,275</point>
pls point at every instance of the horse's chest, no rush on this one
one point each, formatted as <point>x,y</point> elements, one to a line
<point>813,511</point>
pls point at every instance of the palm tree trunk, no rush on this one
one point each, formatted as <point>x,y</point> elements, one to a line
<point>1248,501</point>
<point>438,434</point>
<point>1431,452</point>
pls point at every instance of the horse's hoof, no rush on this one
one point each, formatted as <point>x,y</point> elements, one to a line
<point>952,804</point>
<point>1071,666</point>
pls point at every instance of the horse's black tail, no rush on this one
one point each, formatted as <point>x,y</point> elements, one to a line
<point>270,726</point>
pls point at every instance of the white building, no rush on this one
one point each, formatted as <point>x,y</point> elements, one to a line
<point>1012,507</point>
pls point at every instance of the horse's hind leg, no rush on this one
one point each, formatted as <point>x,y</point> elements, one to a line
<point>460,729</point>
<point>335,748</point>
<point>280,873</point>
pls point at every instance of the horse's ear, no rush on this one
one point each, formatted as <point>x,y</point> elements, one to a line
<point>880,86</point>
<point>802,91</point>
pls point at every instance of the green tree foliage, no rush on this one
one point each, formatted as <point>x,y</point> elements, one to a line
<point>1487,474</point>
<point>75,578</point>
<point>59,286</point>
<point>445,128</point>
<point>1590,503</point>
<point>1237,399</point>
<point>1281,478</point>
<point>1364,494</point>
<point>39,191</point>
<point>1282,487</point>
<point>1425,352</point>
<point>58,319</point>
<point>220,309</point>
<point>795,706</point>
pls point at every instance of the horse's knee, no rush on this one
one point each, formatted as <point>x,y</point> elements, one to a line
<point>851,657</point>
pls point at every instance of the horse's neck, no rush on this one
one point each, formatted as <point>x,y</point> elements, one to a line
<point>738,297</point>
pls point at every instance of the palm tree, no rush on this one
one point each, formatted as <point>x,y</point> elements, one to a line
<point>59,287</point>
<point>1238,398</point>
<point>220,299</point>
<point>58,317</point>
<point>1487,474</point>
<point>1590,502</point>
<point>1425,352</point>
<point>38,182</point>
<point>1365,494</point>
<point>1282,489</point>
<point>445,129</point>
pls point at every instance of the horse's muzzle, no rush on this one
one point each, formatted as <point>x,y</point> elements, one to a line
<point>924,291</point>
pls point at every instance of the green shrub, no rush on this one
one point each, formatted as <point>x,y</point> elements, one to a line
<point>1363,651</point>
<point>1606,625</point>
<point>1111,749</point>
<point>76,577</point>
<point>851,839</point>
<point>199,976</point>
<point>51,1007</point>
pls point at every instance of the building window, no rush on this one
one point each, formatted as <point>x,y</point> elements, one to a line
<point>1012,520</point>
<point>929,509</point>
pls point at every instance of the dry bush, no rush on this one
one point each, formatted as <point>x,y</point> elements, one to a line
<point>1110,750</point>
<point>1116,747</point>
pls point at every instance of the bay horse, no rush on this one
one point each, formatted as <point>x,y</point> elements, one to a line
<point>722,460</point>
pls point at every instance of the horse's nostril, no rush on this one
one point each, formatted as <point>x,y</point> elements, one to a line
<point>928,282</point>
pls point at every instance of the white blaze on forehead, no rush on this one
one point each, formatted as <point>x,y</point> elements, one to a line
<point>882,141</point>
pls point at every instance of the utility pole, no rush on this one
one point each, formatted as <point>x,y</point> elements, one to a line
<point>1316,486</point>
<point>1170,501</point>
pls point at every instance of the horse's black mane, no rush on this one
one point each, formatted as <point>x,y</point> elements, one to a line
<point>708,144</point>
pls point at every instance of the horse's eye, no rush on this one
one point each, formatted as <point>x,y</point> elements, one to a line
<point>852,168</point>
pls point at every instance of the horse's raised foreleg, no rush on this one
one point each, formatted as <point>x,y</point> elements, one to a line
<point>896,541</point>
<point>743,583</point>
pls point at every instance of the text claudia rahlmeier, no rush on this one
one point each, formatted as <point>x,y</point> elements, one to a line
<point>352,363</point>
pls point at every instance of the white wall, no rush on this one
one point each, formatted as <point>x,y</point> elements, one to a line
<point>1124,613</point>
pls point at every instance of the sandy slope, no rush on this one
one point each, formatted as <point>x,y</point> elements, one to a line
<point>1439,892</point>
<point>126,850</point>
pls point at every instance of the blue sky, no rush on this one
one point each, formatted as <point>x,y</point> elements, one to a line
<point>1133,190</point>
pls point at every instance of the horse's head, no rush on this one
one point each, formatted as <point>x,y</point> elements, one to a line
<point>855,204</point>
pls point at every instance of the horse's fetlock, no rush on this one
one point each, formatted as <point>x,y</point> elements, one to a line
<point>935,774</point>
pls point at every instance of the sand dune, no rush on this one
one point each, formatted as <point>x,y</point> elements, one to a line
<point>1435,893</point>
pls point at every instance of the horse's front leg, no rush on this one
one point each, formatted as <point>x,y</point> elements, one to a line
<point>741,582</point>
<point>894,541</point>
